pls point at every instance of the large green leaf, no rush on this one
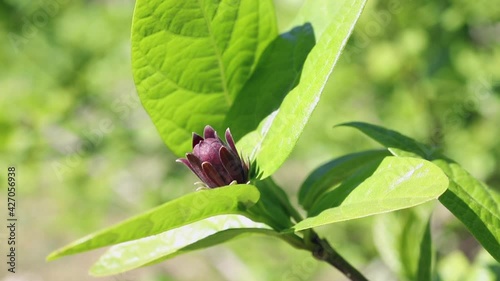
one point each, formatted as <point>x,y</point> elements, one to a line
<point>190,58</point>
<point>474,204</point>
<point>276,136</point>
<point>337,195</point>
<point>469,199</point>
<point>277,72</point>
<point>398,183</point>
<point>156,248</point>
<point>392,140</point>
<point>234,199</point>
<point>333,172</point>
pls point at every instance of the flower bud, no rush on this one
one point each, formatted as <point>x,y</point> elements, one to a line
<point>216,163</point>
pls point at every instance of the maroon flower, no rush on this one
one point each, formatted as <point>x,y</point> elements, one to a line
<point>216,163</point>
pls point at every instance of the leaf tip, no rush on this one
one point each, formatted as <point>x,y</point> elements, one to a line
<point>53,256</point>
<point>96,271</point>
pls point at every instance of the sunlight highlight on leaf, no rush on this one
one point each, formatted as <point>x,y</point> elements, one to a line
<point>152,249</point>
<point>390,188</point>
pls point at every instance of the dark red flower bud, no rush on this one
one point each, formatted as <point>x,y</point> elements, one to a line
<point>216,163</point>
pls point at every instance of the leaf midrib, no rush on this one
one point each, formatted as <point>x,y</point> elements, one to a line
<point>490,207</point>
<point>218,54</point>
<point>474,200</point>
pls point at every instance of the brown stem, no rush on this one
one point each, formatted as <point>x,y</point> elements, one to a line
<point>323,251</point>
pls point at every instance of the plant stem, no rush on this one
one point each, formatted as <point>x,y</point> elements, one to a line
<point>310,241</point>
<point>323,251</point>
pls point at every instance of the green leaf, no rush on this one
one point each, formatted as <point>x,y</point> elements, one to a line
<point>336,196</point>
<point>166,245</point>
<point>273,208</point>
<point>474,204</point>
<point>332,173</point>
<point>398,183</point>
<point>276,136</point>
<point>469,199</point>
<point>394,141</point>
<point>320,13</point>
<point>424,271</point>
<point>233,199</point>
<point>277,72</point>
<point>403,240</point>
<point>191,58</point>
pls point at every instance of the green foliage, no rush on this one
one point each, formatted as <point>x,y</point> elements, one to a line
<point>483,224</point>
<point>173,214</point>
<point>397,183</point>
<point>404,242</point>
<point>202,52</point>
<point>274,208</point>
<point>479,198</point>
<point>156,248</point>
<point>330,174</point>
<point>468,199</point>
<point>283,128</point>
<point>425,258</point>
<point>223,63</point>
<point>277,72</point>
<point>392,140</point>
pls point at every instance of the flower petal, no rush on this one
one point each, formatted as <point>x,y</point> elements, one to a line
<point>197,169</point>
<point>209,132</point>
<point>230,141</point>
<point>212,174</point>
<point>196,139</point>
<point>185,162</point>
<point>232,164</point>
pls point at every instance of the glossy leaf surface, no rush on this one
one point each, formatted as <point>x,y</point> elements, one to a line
<point>398,183</point>
<point>233,199</point>
<point>155,248</point>
<point>277,135</point>
<point>470,200</point>
<point>191,58</point>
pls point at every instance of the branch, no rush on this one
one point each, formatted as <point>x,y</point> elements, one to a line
<point>323,251</point>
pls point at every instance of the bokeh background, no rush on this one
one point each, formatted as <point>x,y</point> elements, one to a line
<point>87,154</point>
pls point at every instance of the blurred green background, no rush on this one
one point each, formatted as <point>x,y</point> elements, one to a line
<point>87,154</point>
